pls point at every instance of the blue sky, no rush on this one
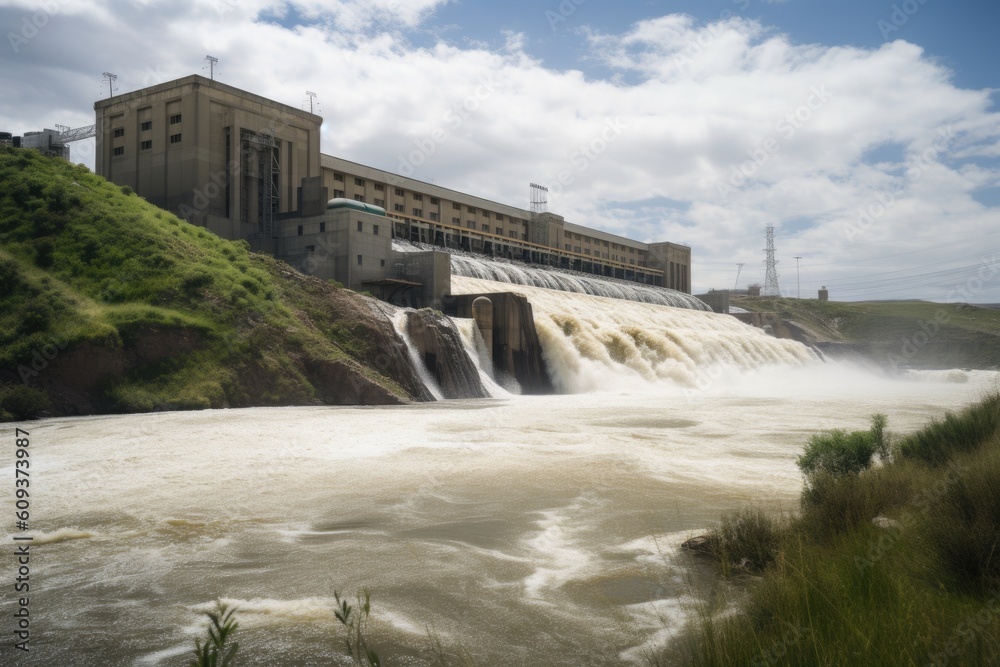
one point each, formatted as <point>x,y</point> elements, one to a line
<point>867,133</point>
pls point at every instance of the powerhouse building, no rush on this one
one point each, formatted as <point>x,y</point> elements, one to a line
<point>246,167</point>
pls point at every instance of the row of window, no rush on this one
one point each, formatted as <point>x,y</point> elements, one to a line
<point>146,126</point>
<point>146,145</point>
<point>400,192</point>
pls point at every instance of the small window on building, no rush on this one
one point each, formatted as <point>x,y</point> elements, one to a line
<point>456,221</point>
<point>382,262</point>
<point>568,247</point>
<point>338,177</point>
<point>486,214</point>
<point>174,119</point>
<point>435,201</point>
<point>456,206</point>
<point>359,260</point>
<point>146,125</point>
<point>469,223</point>
<point>486,227</point>
<point>499,230</point>
<point>417,197</point>
<point>434,216</point>
<point>361,226</point>
<point>310,248</point>
<point>380,202</point>
<point>379,187</point>
<point>375,230</point>
<point>513,235</point>
<point>300,230</point>
<point>338,193</point>
<point>119,150</point>
<point>359,181</point>
<point>360,198</point>
<point>119,132</point>
<point>322,226</point>
<point>472,209</point>
<point>499,217</point>
<point>399,208</point>
<point>175,138</point>
<point>400,192</point>
<point>418,212</point>
<point>146,145</point>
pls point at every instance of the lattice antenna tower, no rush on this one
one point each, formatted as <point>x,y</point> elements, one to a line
<point>539,199</point>
<point>771,275</point>
<point>312,101</point>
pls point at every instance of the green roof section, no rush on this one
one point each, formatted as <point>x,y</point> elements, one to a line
<point>341,202</point>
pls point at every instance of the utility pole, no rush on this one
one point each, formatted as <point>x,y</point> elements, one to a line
<point>211,60</point>
<point>739,267</point>
<point>798,284</point>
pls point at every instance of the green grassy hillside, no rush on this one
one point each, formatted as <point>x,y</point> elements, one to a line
<point>110,304</point>
<point>920,333</point>
<point>891,562</point>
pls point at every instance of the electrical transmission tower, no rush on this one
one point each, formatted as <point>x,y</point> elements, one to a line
<point>771,276</point>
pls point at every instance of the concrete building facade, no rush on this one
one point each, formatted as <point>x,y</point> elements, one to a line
<point>246,167</point>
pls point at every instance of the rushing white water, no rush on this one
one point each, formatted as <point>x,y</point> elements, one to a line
<point>399,322</point>
<point>531,530</point>
<point>475,347</point>
<point>593,342</point>
<point>472,265</point>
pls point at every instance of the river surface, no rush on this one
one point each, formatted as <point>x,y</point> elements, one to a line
<point>526,530</point>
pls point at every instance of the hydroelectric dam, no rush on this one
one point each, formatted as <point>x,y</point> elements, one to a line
<point>570,307</point>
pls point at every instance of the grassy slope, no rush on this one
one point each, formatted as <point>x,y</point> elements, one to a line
<point>86,265</point>
<point>843,591</point>
<point>892,323</point>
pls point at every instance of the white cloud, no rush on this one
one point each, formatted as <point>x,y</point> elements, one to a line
<point>693,101</point>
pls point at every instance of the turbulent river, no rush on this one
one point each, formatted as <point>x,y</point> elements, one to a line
<point>528,530</point>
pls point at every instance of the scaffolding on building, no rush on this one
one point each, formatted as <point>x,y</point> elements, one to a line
<point>260,169</point>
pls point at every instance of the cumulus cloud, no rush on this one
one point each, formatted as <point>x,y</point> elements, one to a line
<point>699,133</point>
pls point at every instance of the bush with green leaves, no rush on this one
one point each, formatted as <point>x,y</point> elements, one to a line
<point>841,453</point>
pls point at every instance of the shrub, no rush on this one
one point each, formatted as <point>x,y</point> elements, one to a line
<point>22,402</point>
<point>841,453</point>
<point>748,539</point>
<point>963,527</point>
<point>937,442</point>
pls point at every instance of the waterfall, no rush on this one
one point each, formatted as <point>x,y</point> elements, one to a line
<point>399,323</point>
<point>470,265</point>
<point>475,347</point>
<point>592,342</point>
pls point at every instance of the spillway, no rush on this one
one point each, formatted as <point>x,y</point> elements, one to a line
<point>470,265</point>
<point>593,342</point>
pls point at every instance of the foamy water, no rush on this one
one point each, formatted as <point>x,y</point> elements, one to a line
<point>528,529</point>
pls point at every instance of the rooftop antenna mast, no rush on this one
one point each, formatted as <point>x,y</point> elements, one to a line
<point>739,268</point>
<point>211,60</point>
<point>771,276</point>
<point>312,97</point>
<point>111,78</point>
